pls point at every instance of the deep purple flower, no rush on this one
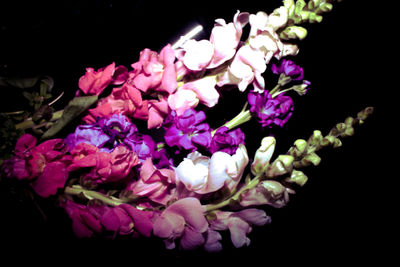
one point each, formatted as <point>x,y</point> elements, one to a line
<point>143,145</point>
<point>226,141</point>
<point>271,111</point>
<point>188,130</point>
<point>117,127</point>
<point>91,134</point>
<point>290,69</point>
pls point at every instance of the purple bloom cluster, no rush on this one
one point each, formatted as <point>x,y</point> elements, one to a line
<point>289,68</point>
<point>108,133</point>
<point>271,111</point>
<point>187,131</point>
<point>226,141</point>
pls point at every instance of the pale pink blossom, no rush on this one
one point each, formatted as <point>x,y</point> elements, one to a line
<point>239,224</point>
<point>226,37</point>
<point>158,185</point>
<point>196,55</point>
<point>184,220</point>
<point>204,175</point>
<point>204,89</point>
<point>182,100</point>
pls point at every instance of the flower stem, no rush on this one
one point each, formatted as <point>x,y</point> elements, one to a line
<point>275,90</point>
<point>89,194</point>
<point>28,123</point>
<point>243,117</point>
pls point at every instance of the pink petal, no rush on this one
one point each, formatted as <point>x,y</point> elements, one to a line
<point>191,239</point>
<point>212,243</point>
<point>141,219</point>
<point>254,216</point>
<point>24,143</point>
<point>169,225</point>
<point>168,82</point>
<point>120,75</point>
<point>239,230</point>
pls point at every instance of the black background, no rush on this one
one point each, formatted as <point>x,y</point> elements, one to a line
<point>340,216</point>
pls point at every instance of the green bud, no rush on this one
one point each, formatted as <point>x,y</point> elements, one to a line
<point>337,143</point>
<point>313,4</point>
<point>297,177</point>
<point>263,155</point>
<point>341,127</point>
<point>364,114</point>
<point>325,7</point>
<point>313,17</point>
<point>311,158</point>
<point>293,32</point>
<point>300,4</point>
<point>301,145</point>
<point>315,138</point>
<point>348,132</point>
<point>282,165</point>
<point>349,121</point>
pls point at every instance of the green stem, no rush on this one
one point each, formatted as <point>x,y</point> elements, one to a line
<point>275,89</point>
<point>89,194</point>
<point>243,117</point>
<point>28,123</point>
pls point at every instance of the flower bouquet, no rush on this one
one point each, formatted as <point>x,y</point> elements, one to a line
<point>145,160</point>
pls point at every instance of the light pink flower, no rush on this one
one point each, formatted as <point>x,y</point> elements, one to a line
<point>182,100</point>
<point>204,89</point>
<point>94,82</point>
<point>158,109</point>
<point>196,55</point>
<point>226,37</point>
<point>184,219</point>
<point>203,175</point>
<point>156,184</point>
<point>154,71</point>
<point>239,224</point>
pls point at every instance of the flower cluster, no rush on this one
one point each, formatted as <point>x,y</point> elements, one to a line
<point>175,176</point>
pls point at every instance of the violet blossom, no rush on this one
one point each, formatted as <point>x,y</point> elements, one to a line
<point>270,111</point>
<point>226,141</point>
<point>289,69</point>
<point>187,131</point>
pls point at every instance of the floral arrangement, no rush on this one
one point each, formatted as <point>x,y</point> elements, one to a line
<point>176,177</point>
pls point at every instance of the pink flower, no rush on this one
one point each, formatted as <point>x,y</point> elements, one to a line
<point>94,82</point>
<point>182,100</point>
<point>158,109</point>
<point>183,219</point>
<point>239,224</point>
<point>156,184</point>
<point>154,71</point>
<point>44,165</point>
<point>196,55</point>
<point>204,89</point>
<point>104,167</point>
<point>204,175</point>
<point>226,37</point>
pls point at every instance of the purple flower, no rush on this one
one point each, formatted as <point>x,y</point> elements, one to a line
<point>90,134</point>
<point>290,69</point>
<point>117,127</point>
<point>271,111</point>
<point>187,131</point>
<point>143,145</point>
<point>226,141</point>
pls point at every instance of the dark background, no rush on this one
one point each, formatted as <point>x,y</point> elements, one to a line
<point>342,213</point>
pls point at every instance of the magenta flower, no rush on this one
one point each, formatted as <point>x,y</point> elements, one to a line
<point>95,219</point>
<point>184,220</point>
<point>44,165</point>
<point>271,111</point>
<point>187,131</point>
<point>239,224</point>
<point>226,141</point>
<point>289,68</point>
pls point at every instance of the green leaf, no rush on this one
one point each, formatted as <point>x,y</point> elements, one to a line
<point>22,83</point>
<point>75,108</point>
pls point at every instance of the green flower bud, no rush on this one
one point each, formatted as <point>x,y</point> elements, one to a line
<point>293,32</point>
<point>289,4</point>
<point>263,155</point>
<point>311,158</point>
<point>313,17</point>
<point>312,4</point>
<point>301,145</point>
<point>297,177</point>
<point>315,138</point>
<point>325,7</point>
<point>282,165</point>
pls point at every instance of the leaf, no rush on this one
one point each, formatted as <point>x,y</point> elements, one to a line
<point>22,83</point>
<point>74,108</point>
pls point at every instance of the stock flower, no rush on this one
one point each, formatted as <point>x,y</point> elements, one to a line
<point>44,165</point>
<point>90,134</point>
<point>103,167</point>
<point>226,141</point>
<point>202,175</point>
<point>271,111</point>
<point>188,130</point>
<point>263,155</point>
<point>94,82</point>
<point>182,100</point>
<point>98,219</point>
<point>289,68</point>
<point>184,219</point>
<point>154,71</point>
<point>239,224</point>
<point>158,185</point>
<point>196,55</point>
<point>158,110</point>
<point>205,90</point>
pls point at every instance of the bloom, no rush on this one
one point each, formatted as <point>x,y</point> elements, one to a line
<point>271,111</point>
<point>184,219</point>
<point>94,82</point>
<point>45,164</point>
<point>239,224</point>
<point>289,68</point>
<point>203,175</point>
<point>188,130</point>
<point>226,141</point>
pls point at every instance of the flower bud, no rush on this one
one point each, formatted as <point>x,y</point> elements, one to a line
<point>325,7</point>
<point>282,165</point>
<point>298,149</point>
<point>293,32</point>
<point>315,138</point>
<point>313,4</point>
<point>311,158</point>
<point>297,177</point>
<point>263,155</point>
